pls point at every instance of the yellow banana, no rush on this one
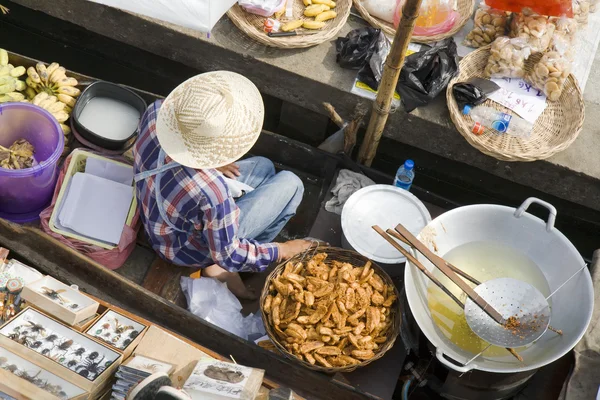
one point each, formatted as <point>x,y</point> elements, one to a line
<point>307,2</point>
<point>56,107</point>
<point>5,70</point>
<point>65,128</point>
<point>30,92</point>
<point>16,96</point>
<point>61,116</point>
<point>68,100</point>
<point>51,68</point>
<point>67,82</point>
<point>68,110</point>
<point>329,3</point>
<point>47,102</point>
<point>58,74</point>
<point>3,57</point>
<point>292,25</point>
<point>31,84</point>
<point>20,85</point>
<point>315,9</point>
<point>8,87</point>
<point>324,16</point>
<point>17,72</point>
<point>32,73</point>
<point>42,72</point>
<point>313,24</point>
<point>5,98</point>
<point>68,90</point>
<point>39,98</point>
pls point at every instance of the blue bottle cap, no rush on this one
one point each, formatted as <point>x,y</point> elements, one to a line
<point>467,109</point>
<point>409,164</point>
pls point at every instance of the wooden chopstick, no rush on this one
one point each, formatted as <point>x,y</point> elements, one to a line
<point>421,248</point>
<point>416,262</point>
<point>452,267</point>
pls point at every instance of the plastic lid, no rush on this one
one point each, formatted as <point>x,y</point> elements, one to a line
<point>467,109</point>
<point>386,206</point>
<point>409,164</point>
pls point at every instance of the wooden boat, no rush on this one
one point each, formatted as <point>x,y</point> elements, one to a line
<point>157,296</point>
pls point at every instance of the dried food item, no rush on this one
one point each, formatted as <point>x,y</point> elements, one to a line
<point>537,30</point>
<point>489,24</point>
<point>563,40</point>
<point>18,156</point>
<point>550,73</point>
<point>581,11</point>
<point>507,58</point>
<point>331,314</point>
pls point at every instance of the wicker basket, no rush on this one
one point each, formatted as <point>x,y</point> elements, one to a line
<point>336,254</point>
<point>253,26</point>
<point>555,130</point>
<point>464,8</point>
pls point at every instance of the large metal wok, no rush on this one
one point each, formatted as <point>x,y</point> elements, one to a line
<point>556,257</point>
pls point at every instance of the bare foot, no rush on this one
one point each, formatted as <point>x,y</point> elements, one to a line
<point>233,281</point>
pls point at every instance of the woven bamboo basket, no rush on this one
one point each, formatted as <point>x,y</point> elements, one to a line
<point>554,131</point>
<point>253,26</point>
<point>464,8</point>
<point>357,260</point>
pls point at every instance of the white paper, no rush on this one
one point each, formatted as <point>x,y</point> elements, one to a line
<point>518,95</point>
<point>109,170</point>
<point>96,207</point>
<point>201,15</point>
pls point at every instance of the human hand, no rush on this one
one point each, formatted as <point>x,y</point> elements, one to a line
<point>289,249</point>
<point>231,171</point>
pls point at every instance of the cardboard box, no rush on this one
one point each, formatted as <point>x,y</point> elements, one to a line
<point>59,300</point>
<point>28,318</point>
<point>106,330</point>
<point>13,382</point>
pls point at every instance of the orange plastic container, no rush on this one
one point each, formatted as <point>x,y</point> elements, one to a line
<point>553,8</point>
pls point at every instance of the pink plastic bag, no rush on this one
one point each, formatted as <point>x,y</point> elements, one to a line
<point>111,259</point>
<point>426,21</point>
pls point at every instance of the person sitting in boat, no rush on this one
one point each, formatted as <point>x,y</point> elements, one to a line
<point>200,206</point>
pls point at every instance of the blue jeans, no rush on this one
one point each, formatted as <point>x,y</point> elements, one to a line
<point>274,200</point>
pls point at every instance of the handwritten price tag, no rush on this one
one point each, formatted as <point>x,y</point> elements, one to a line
<point>518,95</point>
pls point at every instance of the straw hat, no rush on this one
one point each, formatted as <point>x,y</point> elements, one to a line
<point>210,120</point>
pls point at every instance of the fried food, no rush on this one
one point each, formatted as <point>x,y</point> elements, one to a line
<point>330,313</point>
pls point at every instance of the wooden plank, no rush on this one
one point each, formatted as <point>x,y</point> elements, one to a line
<point>54,258</point>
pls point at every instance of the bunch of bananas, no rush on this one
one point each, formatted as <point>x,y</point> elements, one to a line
<point>321,10</point>
<point>57,108</point>
<point>10,85</point>
<point>53,81</point>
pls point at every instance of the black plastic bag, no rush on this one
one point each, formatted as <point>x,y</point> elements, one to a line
<point>426,73</point>
<point>473,92</point>
<point>354,51</point>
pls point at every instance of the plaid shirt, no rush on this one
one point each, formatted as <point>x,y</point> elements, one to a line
<point>197,202</point>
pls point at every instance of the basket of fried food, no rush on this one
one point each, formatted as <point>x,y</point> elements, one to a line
<point>332,310</point>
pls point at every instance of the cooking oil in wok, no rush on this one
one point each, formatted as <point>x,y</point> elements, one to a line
<point>483,261</point>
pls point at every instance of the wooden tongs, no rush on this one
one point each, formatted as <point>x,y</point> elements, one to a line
<point>402,234</point>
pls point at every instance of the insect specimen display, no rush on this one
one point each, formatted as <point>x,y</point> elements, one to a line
<point>116,330</point>
<point>148,365</point>
<point>59,343</point>
<point>37,376</point>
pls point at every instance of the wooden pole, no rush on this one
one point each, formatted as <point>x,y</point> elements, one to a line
<point>387,87</point>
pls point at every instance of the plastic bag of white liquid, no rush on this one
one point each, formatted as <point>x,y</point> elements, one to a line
<point>212,301</point>
<point>201,15</point>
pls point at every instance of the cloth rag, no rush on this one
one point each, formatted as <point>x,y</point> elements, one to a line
<point>346,184</point>
<point>584,382</point>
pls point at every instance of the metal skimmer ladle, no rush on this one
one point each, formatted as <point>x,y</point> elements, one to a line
<point>516,299</point>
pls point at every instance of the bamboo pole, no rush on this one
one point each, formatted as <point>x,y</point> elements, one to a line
<point>387,87</point>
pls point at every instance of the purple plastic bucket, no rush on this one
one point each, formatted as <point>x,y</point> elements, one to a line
<point>26,192</point>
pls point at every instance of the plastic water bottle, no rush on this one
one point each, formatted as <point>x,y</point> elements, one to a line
<point>405,175</point>
<point>487,117</point>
